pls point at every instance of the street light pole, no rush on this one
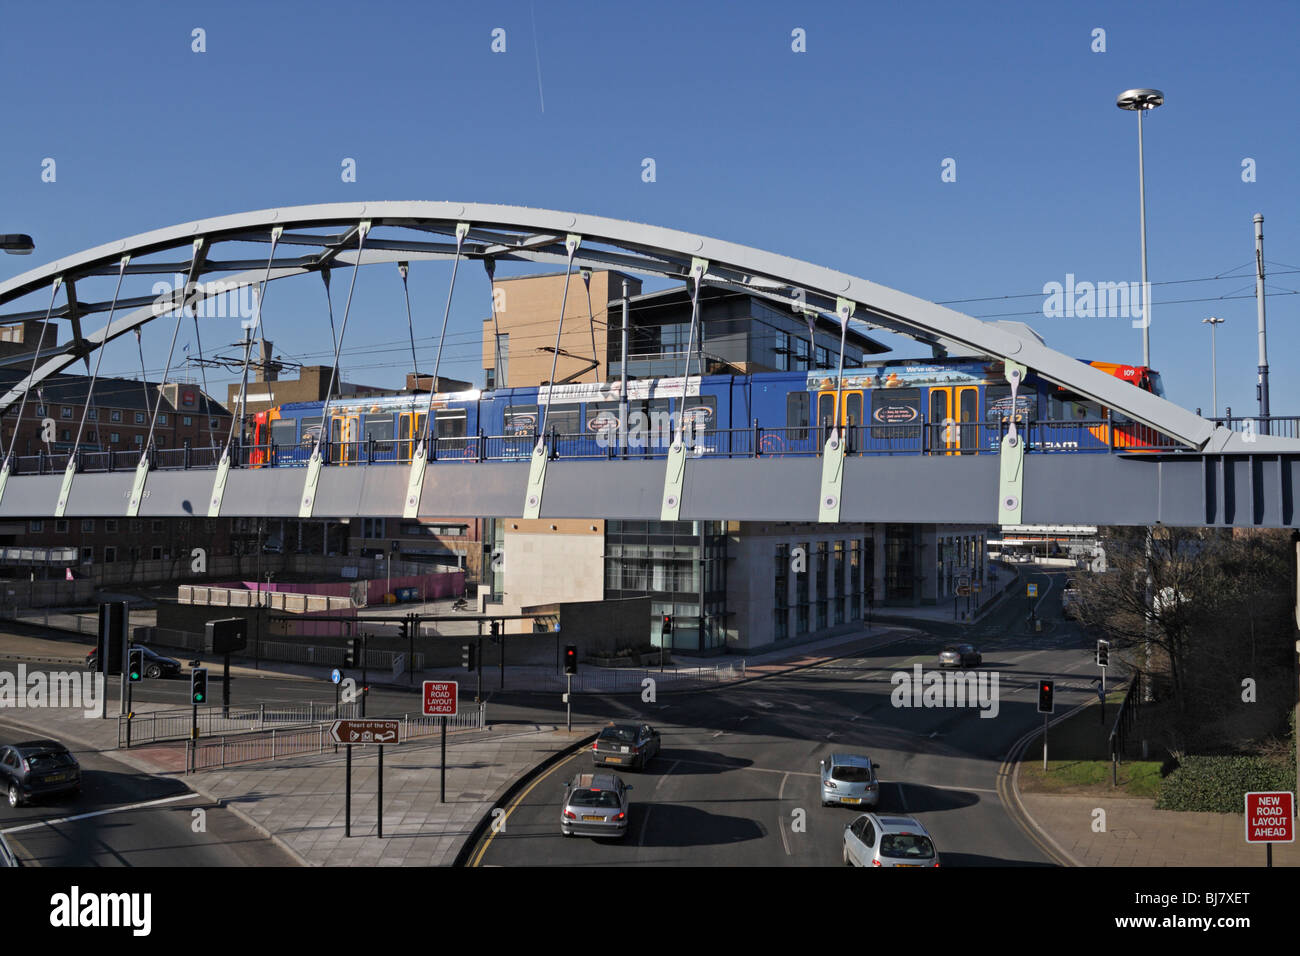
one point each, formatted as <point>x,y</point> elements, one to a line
<point>1139,101</point>
<point>1212,321</point>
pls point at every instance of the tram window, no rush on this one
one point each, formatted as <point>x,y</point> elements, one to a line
<point>967,399</point>
<point>451,424</point>
<point>938,405</point>
<point>379,427</point>
<point>825,409</point>
<point>997,403</point>
<point>1066,408</point>
<point>700,413</point>
<point>310,429</point>
<point>564,421</point>
<point>796,416</point>
<point>853,408</point>
<point>895,406</point>
<point>520,419</point>
<point>284,432</point>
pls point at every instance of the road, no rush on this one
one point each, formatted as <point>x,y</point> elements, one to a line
<point>125,818</point>
<point>736,782</point>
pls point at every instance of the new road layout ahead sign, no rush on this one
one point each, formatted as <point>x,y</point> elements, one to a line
<point>1270,817</point>
<point>365,731</point>
<point>440,698</point>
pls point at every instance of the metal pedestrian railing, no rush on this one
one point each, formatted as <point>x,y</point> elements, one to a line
<point>1124,720</point>
<point>227,750</point>
<point>159,726</point>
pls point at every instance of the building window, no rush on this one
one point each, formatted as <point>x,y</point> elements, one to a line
<point>87,555</point>
<point>36,526</point>
<point>110,554</point>
<point>115,437</point>
<point>137,439</point>
<point>65,435</point>
<point>115,415</point>
<point>212,423</point>
<point>187,420</point>
<point>88,526</point>
<point>110,526</point>
<point>40,411</point>
<point>61,527</point>
<point>155,526</point>
<point>92,435</point>
<point>155,553</point>
<point>65,412</point>
<point>94,415</point>
<point>139,418</point>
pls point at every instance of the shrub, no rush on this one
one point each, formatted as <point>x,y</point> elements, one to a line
<point>1218,784</point>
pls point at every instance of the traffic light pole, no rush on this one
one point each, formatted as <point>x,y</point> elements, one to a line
<point>502,656</point>
<point>568,703</point>
<point>347,797</point>
<point>379,808</point>
<point>413,622</point>
<point>365,683</point>
<point>1046,717</point>
<point>442,786</point>
<point>225,688</point>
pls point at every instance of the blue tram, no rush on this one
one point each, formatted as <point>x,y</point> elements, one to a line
<point>944,406</point>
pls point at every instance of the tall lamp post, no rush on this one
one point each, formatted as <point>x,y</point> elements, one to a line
<point>1212,321</point>
<point>1139,101</point>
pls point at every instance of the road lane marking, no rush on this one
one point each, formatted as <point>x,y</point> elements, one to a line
<point>100,813</point>
<point>667,773</point>
<point>645,825</point>
<point>780,820</point>
<point>514,804</point>
<point>727,766</point>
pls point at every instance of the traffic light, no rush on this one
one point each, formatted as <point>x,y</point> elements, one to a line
<point>668,624</point>
<point>1103,653</point>
<point>135,664</point>
<point>112,636</point>
<point>467,656</point>
<point>570,658</point>
<point>352,654</point>
<point>199,685</point>
<point>1046,688</point>
<point>226,636</point>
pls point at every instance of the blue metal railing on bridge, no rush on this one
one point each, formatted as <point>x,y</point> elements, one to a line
<point>923,438</point>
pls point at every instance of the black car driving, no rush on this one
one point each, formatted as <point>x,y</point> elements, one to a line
<point>36,768</point>
<point>155,665</point>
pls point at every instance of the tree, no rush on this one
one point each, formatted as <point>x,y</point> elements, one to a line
<point>1220,615</point>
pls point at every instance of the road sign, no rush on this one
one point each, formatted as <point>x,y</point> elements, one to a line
<point>440,698</point>
<point>1031,590</point>
<point>365,731</point>
<point>1270,817</point>
<point>336,675</point>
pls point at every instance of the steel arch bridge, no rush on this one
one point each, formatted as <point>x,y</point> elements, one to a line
<point>1202,474</point>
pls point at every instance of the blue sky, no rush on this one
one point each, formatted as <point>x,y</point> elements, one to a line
<point>833,155</point>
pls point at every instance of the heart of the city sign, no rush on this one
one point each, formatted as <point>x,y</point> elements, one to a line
<point>366,731</point>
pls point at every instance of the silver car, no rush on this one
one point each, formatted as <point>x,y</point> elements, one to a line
<point>873,840</point>
<point>849,780</point>
<point>960,655</point>
<point>595,804</point>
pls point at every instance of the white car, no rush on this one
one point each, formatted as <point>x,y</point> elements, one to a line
<point>888,840</point>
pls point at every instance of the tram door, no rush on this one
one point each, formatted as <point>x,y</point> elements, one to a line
<point>954,419</point>
<point>850,408</point>
<point>345,432</point>
<point>410,430</point>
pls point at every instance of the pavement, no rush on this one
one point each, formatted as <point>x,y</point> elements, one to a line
<point>299,802</point>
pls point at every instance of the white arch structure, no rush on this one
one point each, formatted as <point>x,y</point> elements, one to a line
<point>315,237</point>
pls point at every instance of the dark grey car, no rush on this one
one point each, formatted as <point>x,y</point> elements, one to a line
<point>625,745</point>
<point>35,768</point>
<point>155,665</point>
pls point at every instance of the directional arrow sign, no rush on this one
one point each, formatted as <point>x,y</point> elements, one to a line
<point>365,731</point>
